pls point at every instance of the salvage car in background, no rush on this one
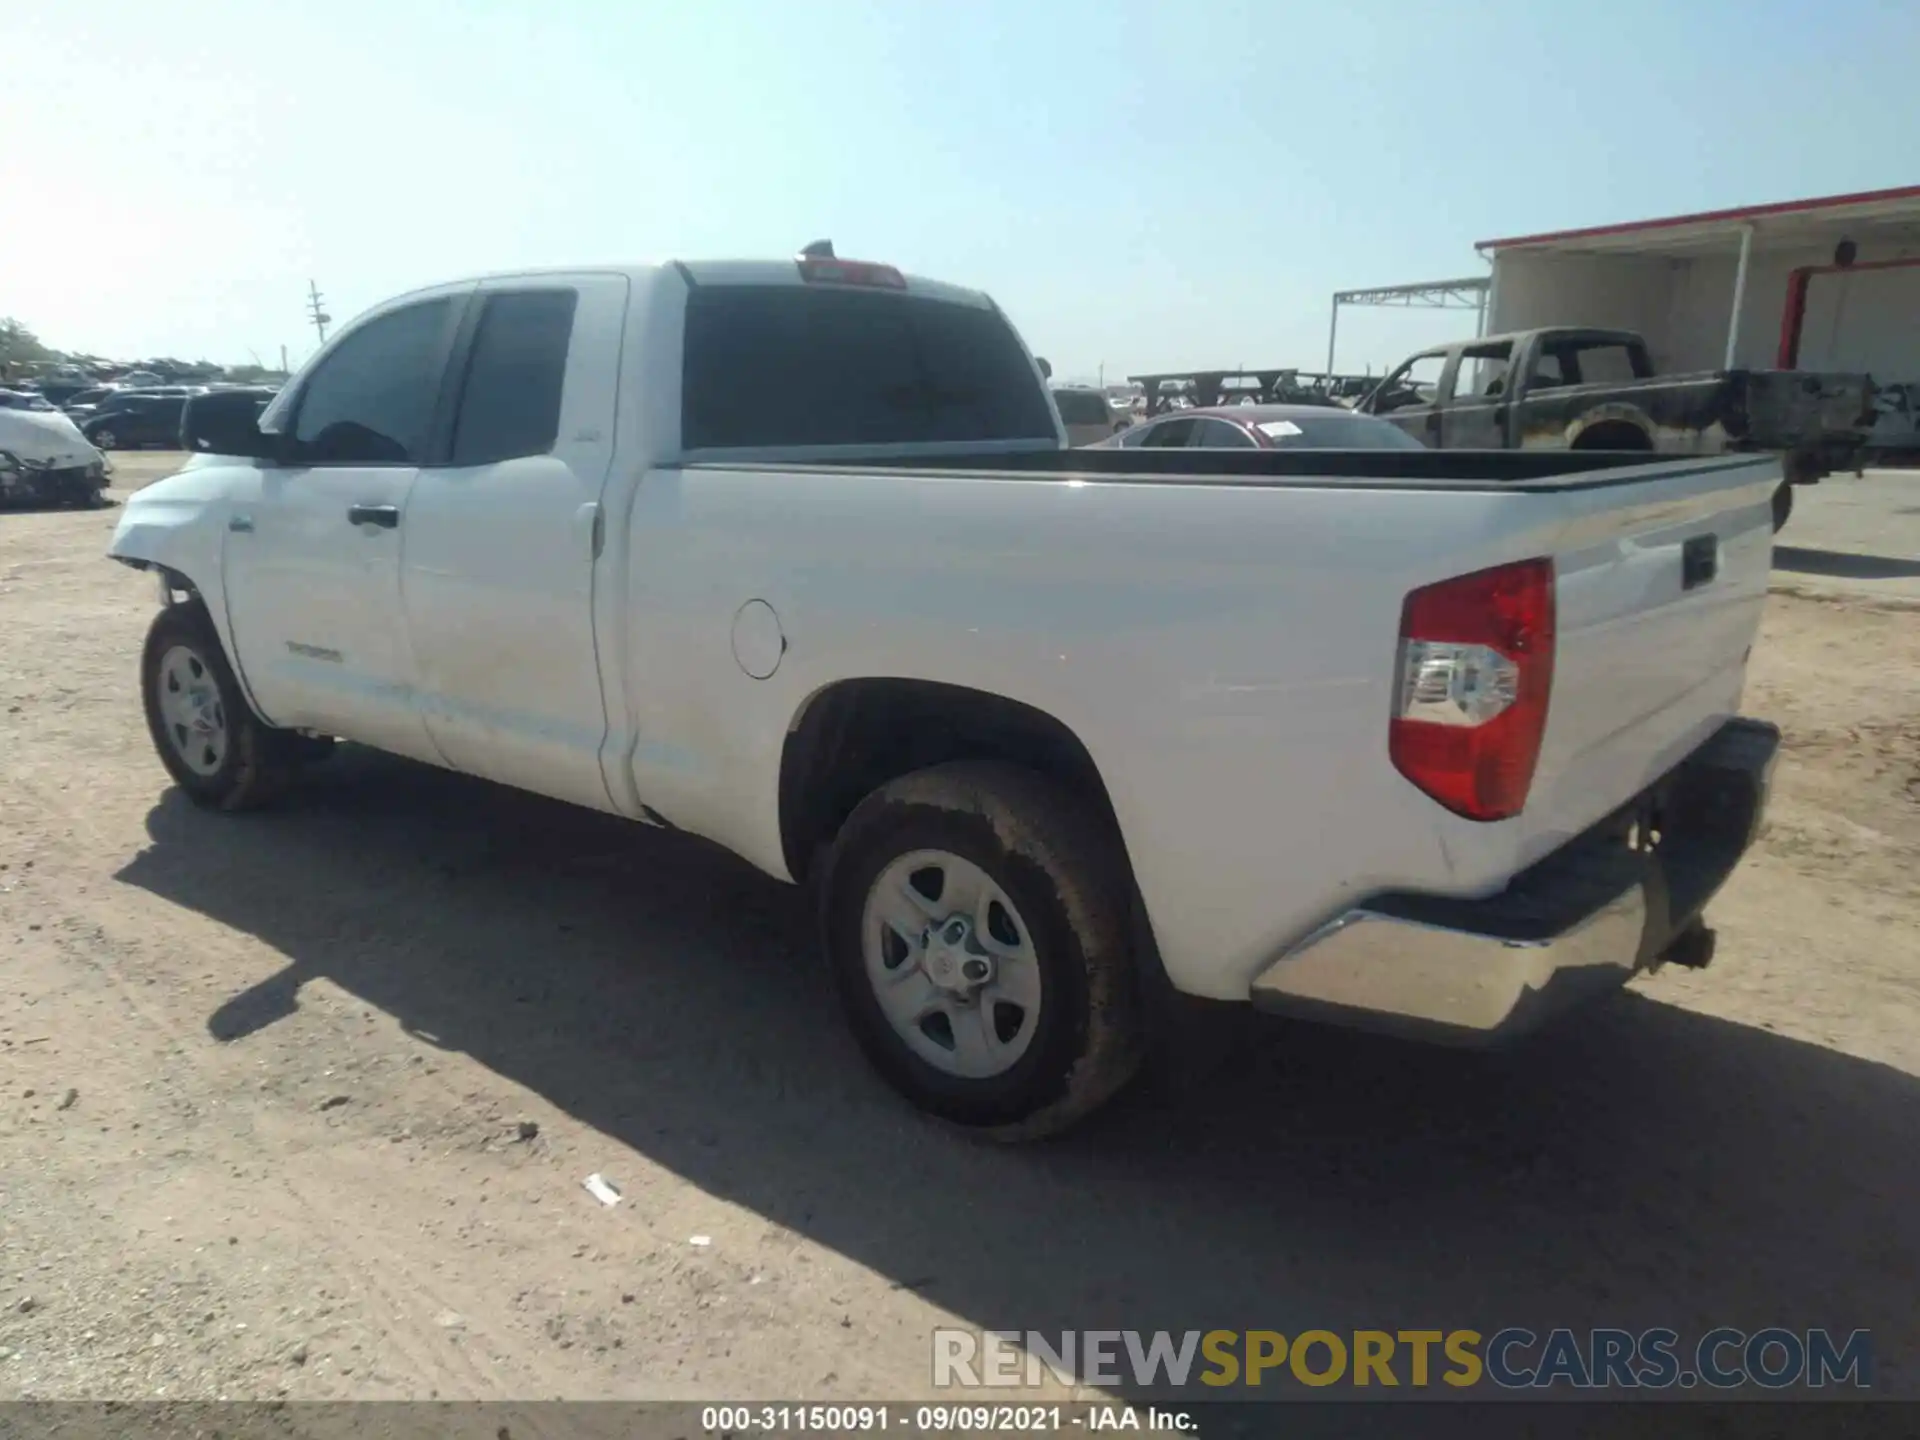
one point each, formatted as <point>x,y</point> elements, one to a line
<point>45,460</point>
<point>1087,413</point>
<point>1264,427</point>
<point>1572,388</point>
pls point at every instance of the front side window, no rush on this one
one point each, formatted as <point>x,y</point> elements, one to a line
<point>371,401</point>
<point>1414,385</point>
<point>510,403</point>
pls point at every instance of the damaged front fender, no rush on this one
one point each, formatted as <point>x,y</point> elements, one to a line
<point>176,528</point>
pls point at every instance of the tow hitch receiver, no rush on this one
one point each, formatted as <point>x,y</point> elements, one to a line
<point>1693,947</point>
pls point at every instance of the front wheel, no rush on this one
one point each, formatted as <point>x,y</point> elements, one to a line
<point>975,920</point>
<point>1782,505</point>
<point>103,438</point>
<point>216,749</point>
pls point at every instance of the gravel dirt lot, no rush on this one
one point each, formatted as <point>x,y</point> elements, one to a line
<point>300,1103</point>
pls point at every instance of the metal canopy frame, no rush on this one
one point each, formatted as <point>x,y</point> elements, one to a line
<point>1270,385</point>
<point>1466,294</point>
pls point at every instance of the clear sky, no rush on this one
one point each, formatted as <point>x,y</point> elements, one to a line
<point>1142,185</point>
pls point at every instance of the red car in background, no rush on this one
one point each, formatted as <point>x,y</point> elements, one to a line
<point>1263,427</point>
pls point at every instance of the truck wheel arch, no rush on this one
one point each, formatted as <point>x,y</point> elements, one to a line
<point>1611,428</point>
<point>851,737</point>
<point>177,587</point>
<point>854,735</point>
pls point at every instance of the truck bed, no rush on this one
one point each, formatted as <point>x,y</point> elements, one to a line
<point>1226,658</point>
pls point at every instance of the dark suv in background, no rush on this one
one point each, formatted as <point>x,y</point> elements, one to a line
<point>129,419</point>
<point>221,413</point>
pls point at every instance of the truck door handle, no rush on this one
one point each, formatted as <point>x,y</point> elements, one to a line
<point>387,517</point>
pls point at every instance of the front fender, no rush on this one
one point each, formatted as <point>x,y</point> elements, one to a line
<point>178,527</point>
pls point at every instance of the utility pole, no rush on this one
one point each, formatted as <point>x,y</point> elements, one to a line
<point>315,308</point>
<point>283,361</point>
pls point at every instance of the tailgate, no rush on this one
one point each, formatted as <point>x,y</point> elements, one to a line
<point>1659,591</point>
<point>1786,409</point>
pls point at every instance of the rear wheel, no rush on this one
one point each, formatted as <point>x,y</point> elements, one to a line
<point>216,749</point>
<point>975,919</point>
<point>104,438</point>
<point>1782,505</point>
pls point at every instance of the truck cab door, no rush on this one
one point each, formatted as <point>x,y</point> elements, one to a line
<point>1410,397</point>
<point>311,557</point>
<point>506,535</point>
<point>1475,407</point>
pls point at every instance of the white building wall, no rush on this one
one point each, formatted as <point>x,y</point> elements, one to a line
<point>1864,320</point>
<point>1683,306</point>
<point>1616,292</point>
<point>1868,320</point>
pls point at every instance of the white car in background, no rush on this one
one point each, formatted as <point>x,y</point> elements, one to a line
<point>1087,414</point>
<point>44,459</point>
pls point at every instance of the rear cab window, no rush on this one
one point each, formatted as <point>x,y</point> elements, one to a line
<point>807,365</point>
<point>1593,360</point>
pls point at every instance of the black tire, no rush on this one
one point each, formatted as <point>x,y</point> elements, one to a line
<point>102,438</point>
<point>258,760</point>
<point>1782,505</point>
<point>1063,868</point>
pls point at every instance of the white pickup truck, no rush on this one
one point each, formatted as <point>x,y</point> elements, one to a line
<point>790,555</point>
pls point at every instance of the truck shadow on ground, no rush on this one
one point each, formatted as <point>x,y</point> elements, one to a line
<point>1644,1166</point>
<point>1842,564</point>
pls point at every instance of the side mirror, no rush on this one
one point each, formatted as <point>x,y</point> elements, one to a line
<point>226,422</point>
<point>1045,368</point>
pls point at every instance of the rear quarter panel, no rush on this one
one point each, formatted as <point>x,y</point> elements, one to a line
<point>1225,654</point>
<point>1681,416</point>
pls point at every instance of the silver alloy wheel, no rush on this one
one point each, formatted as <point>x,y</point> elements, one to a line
<point>103,438</point>
<point>191,708</point>
<point>952,963</point>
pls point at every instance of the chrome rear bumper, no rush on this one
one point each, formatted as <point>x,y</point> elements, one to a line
<point>1580,922</point>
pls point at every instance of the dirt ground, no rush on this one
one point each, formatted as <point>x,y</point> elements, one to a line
<point>300,1103</point>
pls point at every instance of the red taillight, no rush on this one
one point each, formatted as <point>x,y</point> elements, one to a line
<point>830,271</point>
<point>1475,673</point>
